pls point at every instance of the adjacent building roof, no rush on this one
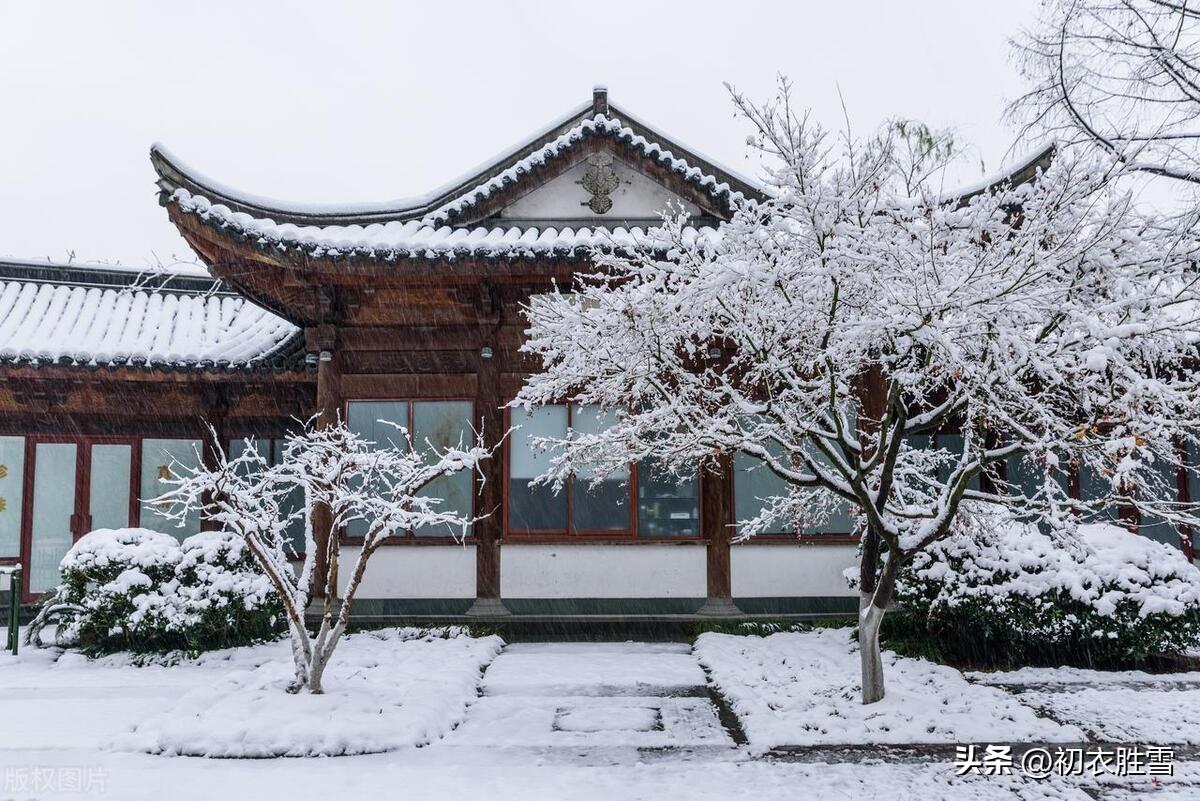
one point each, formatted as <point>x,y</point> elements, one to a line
<point>100,316</point>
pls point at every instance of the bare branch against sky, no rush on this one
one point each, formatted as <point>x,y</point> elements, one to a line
<point>370,101</point>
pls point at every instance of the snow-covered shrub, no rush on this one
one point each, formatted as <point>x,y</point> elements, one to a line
<point>1018,596</point>
<point>133,589</point>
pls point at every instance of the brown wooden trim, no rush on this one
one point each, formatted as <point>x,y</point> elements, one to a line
<point>804,539</point>
<point>135,482</point>
<point>1184,492</point>
<point>551,538</point>
<point>408,540</point>
<point>490,481</point>
<point>118,375</point>
<point>27,519</point>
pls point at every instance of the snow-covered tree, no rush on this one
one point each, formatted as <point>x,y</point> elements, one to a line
<point>1120,75</point>
<point>828,330</point>
<point>356,480</point>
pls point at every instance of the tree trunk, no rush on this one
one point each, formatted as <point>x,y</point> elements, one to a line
<point>872,608</point>
<point>869,619</point>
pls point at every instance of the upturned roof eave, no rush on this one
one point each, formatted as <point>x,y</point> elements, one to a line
<point>174,174</point>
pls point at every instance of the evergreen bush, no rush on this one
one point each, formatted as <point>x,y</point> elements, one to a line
<point>137,590</point>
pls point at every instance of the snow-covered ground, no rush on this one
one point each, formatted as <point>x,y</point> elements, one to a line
<point>565,721</point>
<point>386,689</point>
<point>803,689</point>
<point>1112,706</point>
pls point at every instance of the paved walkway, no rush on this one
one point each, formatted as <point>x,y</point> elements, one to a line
<point>594,695</point>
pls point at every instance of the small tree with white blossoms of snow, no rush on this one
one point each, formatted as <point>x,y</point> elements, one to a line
<point>356,480</point>
<point>859,309</point>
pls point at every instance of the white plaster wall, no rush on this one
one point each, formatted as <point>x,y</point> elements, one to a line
<point>790,570</point>
<point>602,571</point>
<point>414,571</point>
<point>563,197</point>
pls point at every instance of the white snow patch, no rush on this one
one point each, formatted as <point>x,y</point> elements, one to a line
<point>1125,714</point>
<point>593,669</point>
<point>1073,675</point>
<point>803,689</point>
<point>382,691</point>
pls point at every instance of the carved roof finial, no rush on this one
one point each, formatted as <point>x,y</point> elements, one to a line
<point>600,99</point>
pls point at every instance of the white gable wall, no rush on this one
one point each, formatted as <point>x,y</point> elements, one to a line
<point>564,198</point>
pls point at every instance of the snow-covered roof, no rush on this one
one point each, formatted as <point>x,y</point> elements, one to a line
<point>451,221</point>
<point>415,239</point>
<point>67,314</point>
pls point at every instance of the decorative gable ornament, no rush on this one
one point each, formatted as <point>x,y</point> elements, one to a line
<point>600,181</point>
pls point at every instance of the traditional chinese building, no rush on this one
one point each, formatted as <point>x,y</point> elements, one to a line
<point>408,312</point>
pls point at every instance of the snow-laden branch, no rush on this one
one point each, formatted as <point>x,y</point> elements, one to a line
<point>354,480</point>
<point>1048,326</point>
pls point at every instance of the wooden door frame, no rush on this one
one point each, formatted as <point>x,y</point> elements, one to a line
<point>81,511</point>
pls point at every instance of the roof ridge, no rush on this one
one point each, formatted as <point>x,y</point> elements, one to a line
<point>114,276</point>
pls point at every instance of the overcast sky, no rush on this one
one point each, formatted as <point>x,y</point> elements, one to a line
<point>371,101</point>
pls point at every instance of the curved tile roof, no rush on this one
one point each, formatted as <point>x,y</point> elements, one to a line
<point>99,325</point>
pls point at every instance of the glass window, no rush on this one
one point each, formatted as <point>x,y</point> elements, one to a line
<point>597,503</point>
<point>272,451</point>
<point>108,495</point>
<point>432,425</point>
<point>530,507</point>
<point>53,508</point>
<point>292,503</point>
<point>953,445</point>
<point>1193,473</point>
<point>237,447</point>
<point>753,484</point>
<point>160,458</point>
<point>1093,486</point>
<point>1166,487</point>
<point>667,507</point>
<point>438,425</point>
<point>12,493</point>
<point>377,421</point>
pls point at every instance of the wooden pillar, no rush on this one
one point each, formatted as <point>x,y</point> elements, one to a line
<point>715,519</point>
<point>329,410</point>
<point>1184,496</point>
<point>216,420</point>
<point>489,413</point>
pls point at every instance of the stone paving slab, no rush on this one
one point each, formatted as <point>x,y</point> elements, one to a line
<point>600,669</point>
<point>649,696</point>
<point>574,721</point>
